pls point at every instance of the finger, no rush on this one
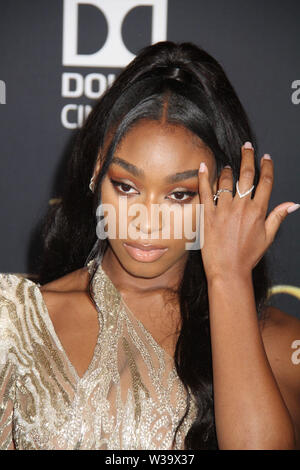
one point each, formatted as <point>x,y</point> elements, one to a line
<point>247,170</point>
<point>225,182</point>
<point>205,192</point>
<point>275,218</point>
<point>265,184</point>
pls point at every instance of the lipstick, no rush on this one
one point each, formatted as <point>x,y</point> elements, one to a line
<point>145,253</point>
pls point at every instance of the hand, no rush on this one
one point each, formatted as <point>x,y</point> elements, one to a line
<point>236,230</point>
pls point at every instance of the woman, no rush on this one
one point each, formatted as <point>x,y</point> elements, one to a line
<point>143,341</point>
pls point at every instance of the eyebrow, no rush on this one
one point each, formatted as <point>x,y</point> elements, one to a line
<point>134,170</point>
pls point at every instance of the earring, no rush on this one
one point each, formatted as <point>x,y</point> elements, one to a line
<point>91,185</point>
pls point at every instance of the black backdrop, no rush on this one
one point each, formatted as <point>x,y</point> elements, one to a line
<point>58,56</point>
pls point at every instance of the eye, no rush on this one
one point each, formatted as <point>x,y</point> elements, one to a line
<point>189,194</point>
<point>125,187</point>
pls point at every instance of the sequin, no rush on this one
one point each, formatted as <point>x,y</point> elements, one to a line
<point>130,397</point>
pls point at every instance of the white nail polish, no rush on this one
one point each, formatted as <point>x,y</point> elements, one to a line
<point>293,208</point>
<point>248,145</point>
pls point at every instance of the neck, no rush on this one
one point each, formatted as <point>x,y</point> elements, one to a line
<point>126,282</point>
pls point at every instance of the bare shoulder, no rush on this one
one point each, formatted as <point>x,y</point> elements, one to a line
<point>67,294</point>
<point>281,337</point>
<point>74,281</point>
<point>74,316</point>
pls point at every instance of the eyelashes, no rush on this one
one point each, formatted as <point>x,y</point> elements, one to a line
<point>190,195</point>
<point>118,184</point>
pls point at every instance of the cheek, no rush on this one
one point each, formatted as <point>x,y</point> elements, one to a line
<point>110,199</point>
<point>190,218</point>
<point>184,225</point>
<point>108,193</point>
<point>109,203</point>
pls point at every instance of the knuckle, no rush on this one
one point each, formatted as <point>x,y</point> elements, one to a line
<point>267,179</point>
<point>204,195</point>
<point>248,173</point>
<point>279,216</point>
<point>258,210</point>
<point>226,178</point>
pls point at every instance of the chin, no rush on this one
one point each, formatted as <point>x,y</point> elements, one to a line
<point>139,268</point>
<point>142,269</point>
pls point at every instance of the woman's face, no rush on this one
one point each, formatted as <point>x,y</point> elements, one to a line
<point>148,157</point>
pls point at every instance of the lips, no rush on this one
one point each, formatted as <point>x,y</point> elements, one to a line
<point>145,246</point>
<point>144,252</point>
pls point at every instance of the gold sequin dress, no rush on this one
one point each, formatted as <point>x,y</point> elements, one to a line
<point>130,397</point>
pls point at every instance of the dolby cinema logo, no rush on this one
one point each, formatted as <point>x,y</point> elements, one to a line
<point>109,49</point>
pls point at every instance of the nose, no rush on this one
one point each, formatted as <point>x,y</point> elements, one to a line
<point>147,219</point>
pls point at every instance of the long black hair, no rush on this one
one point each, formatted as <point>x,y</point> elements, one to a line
<point>184,85</point>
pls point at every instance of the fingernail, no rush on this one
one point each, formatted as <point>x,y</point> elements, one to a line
<point>267,156</point>
<point>227,166</point>
<point>248,145</point>
<point>293,208</point>
<point>202,167</point>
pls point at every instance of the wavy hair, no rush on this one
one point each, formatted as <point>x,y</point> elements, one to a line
<point>186,86</point>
